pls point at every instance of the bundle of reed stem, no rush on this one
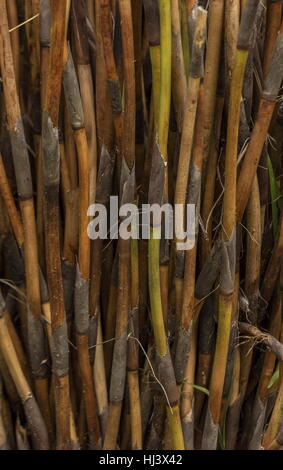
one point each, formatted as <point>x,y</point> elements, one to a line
<point>115,332</point>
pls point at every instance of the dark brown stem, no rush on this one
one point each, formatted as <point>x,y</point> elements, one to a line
<point>51,172</point>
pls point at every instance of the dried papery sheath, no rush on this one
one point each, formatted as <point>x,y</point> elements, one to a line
<point>127,184</point>
<point>152,21</point>
<point>72,94</point>
<point>182,352</point>
<point>105,176</point>
<point>247,20</point>
<point>21,160</point>
<point>37,347</point>
<point>257,424</point>
<point>60,351</point>
<point>197,65</point>
<point>69,278</point>
<point>157,178</point>
<point>274,76</point>
<point>228,265</point>
<point>81,304</point>
<point>51,166</point>
<point>210,434</point>
<point>209,274</point>
<point>45,23</point>
<point>118,376</point>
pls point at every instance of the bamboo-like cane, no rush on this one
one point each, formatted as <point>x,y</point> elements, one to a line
<point>45,33</point>
<point>18,230</point>
<point>25,191</point>
<point>205,346</point>
<point>33,415</point>
<point>5,443</point>
<point>275,423</point>
<point>18,348</point>
<point>260,401</point>
<point>210,177</point>
<point>112,75</point>
<point>10,387</point>
<point>152,25</point>
<point>141,120</point>
<point>82,59</point>
<point>212,61</point>
<point>133,345</point>
<point>152,21</point>
<point>187,396</point>
<point>133,356</point>
<point>252,279</point>
<point>184,302</point>
<point>196,72</point>
<point>12,211</point>
<point>162,130</point>
<point>118,373</point>
<point>189,323</point>
<point>178,67</point>
<point>100,380</point>
<point>103,105</point>
<point>32,33</point>
<point>157,193</point>
<point>129,155</point>
<point>273,434</point>
<point>111,317</point>
<point>51,171</point>
<point>104,183</point>
<point>185,7</point>
<point>253,252</point>
<point>273,268</point>
<point>106,161</point>
<point>273,22</point>
<point>74,103</point>
<point>232,19</point>
<point>267,104</point>
<point>211,429</point>
<point>12,11</point>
